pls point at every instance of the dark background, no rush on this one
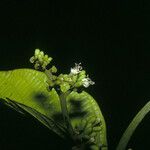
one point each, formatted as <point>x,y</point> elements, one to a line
<point>111,39</point>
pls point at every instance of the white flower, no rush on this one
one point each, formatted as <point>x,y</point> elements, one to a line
<point>77,69</point>
<point>87,82</point>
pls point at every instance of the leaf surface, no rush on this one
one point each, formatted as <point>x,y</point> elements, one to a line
<point>27,89</point>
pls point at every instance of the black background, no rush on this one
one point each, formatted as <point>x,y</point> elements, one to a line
<point>111,39</point>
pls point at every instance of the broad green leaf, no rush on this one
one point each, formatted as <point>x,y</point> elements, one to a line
<point>84,111</point>
<point>27,89</point>
<point>132,127</point>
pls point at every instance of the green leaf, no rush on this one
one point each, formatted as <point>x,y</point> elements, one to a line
<point>27,90</point>
<point>132,126</point>
<point>85,112</point>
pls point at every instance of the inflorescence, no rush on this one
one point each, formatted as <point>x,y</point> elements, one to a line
<point>75,79</point>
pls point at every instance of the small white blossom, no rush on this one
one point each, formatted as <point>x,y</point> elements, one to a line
<point>77,69</point>
<point>87,82</point>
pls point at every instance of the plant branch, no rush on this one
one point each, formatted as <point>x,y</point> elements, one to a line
<point>132,126</point>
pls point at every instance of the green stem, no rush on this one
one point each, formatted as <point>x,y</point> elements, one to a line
<point>132,126</point>
<point>65,114</point>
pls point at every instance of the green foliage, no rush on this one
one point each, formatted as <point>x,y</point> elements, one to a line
<point>56,102</point>
<point>27,89</point>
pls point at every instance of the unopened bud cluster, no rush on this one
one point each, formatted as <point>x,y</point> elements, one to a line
<point>40,60</point>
